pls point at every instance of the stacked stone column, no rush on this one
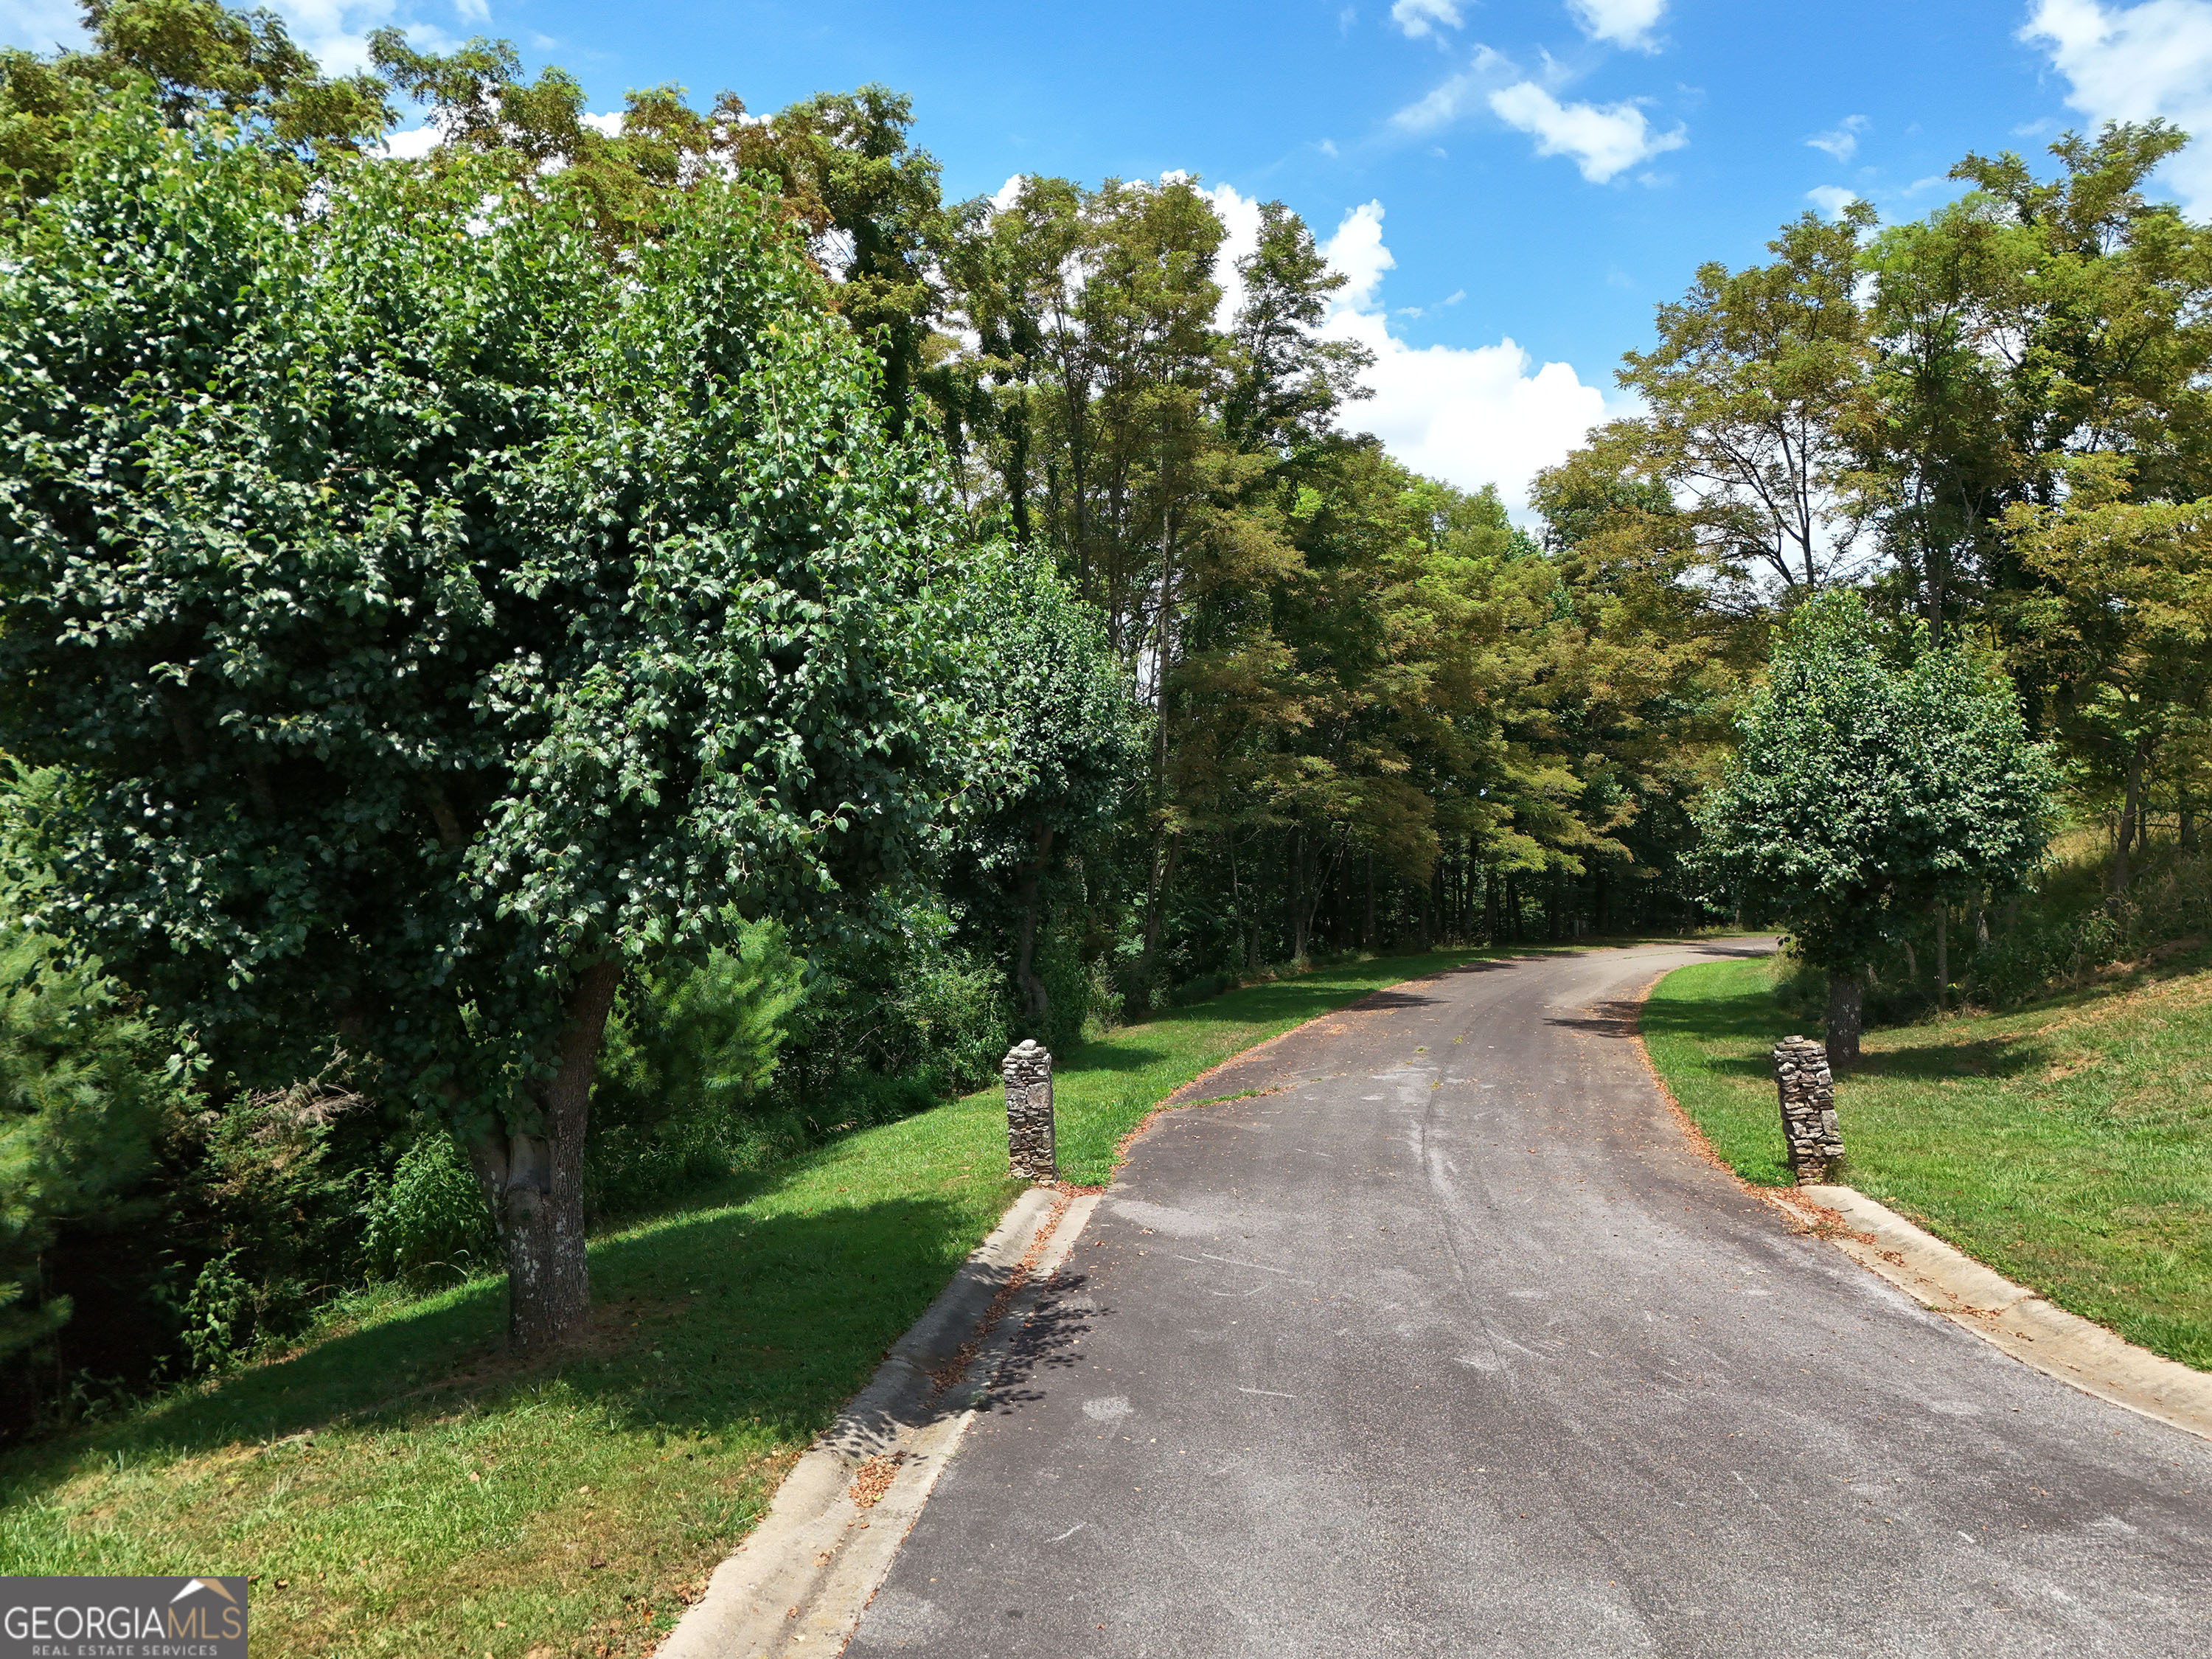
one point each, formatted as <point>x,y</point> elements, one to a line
<point>1030,1147</point>
<point>1808,1090</point>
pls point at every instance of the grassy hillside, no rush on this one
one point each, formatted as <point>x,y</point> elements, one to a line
<point>2068,1144</point>
<point>398,1486</point>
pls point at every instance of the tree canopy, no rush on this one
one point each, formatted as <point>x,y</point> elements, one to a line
<point>1875,775</point>
<point>429,624</point>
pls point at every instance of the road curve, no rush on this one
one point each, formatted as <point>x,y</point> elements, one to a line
<point>1446,1344</point>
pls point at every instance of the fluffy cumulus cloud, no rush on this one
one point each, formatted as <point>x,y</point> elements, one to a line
<point>1842,141</point>
<point>337,31</point>
<point>413,144</point>
<point>2132,63</point>
<point>1604,140</point>
<point>1474,416</point>
<point>1453,98</point>
<point>1619,22</point>
<point>1421,19</point>
<point>1831,199</point>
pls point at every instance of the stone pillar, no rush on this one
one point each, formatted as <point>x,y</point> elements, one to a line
<point>1808,1109</point>
<point>1029,1112</point>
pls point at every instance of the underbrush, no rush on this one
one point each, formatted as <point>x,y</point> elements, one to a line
<point>2065,933</point>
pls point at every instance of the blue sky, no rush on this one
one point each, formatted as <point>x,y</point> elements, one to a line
<point>1511,186</point>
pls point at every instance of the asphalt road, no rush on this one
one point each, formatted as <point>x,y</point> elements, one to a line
<point>1450,1346</point>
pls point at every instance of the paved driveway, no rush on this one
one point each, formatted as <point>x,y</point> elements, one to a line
<point>1446,1343</point>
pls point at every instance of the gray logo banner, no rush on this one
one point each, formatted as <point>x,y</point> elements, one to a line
<point>122,1618</point>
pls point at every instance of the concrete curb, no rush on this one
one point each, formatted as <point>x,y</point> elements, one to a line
<point>800,1582</point>
<point>2013,1318</point>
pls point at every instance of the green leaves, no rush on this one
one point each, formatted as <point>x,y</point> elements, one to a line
<point>1873,775</point>
<point>426,607</point>
<point>84,1095</point>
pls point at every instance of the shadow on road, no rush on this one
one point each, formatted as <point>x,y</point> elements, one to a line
<point>1047,1343</point>
<point>1607,1019</point>
<point>1397,999</point>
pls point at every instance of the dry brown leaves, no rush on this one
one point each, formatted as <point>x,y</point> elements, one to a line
<point>873,1480</point>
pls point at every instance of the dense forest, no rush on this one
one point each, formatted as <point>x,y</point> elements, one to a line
<point>676,628</point>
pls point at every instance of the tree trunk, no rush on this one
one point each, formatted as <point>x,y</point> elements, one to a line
<point>1846,1008</point>
<point>2130,809</point>
<point>1156,896</point>
<point>1942,953</point>
<point>1025,944</point>
<point>1367,921</point>
<point>1318,883</point>
<point>1297,856</point>
<point>535,1183</point>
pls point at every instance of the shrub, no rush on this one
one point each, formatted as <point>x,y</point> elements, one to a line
<point>272,1210</point>
<point>429,1215</point>
<point>689,1053</point>
<point>87,1088</point>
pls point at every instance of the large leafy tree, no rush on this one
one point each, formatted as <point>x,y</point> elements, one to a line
<point>1750,392</point>
<point>840,161</point>
<point>2121,629</point>
<point>2032,323</point>
<point>198,57</point>
<point>434,621</point>
<point>1873,776</point>
<point>1045,682</point>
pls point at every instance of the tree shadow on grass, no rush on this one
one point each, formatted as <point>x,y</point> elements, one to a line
<point>1934,1061</point>
<point>698,1325</point>
<point>1717,1024</point>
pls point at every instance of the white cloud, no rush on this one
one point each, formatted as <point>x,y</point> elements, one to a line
<point>1240,221</point>
<point>1007,194</point>
<point>1472,415</point>
<point>1484,415</point>
<point>413,146</point>
<point>1623,22</point>
<point>336,32</point>
<point>1831,199</point>
<point>1843,142</point>
<point>1455,97</point>
<point>609,125</point>
<point>1444,105</point>
<point>2131,63</point>
<point>1604,139</point>
<point>1420,18</point>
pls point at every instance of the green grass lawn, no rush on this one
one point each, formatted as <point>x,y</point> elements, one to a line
<point>399,1487</point>
<point>2068,1145</point>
